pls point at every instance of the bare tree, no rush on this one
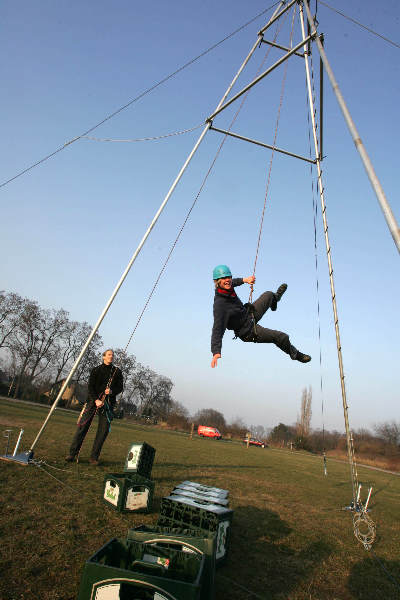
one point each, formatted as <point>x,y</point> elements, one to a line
<point>178,415</point>
<point>237,427</point>
<point>210,417</point>
<point>51,326</point>
<point>258,431</point>
<point>23,340</point>
<point>389,432</point>
<point>158,395</point>
<point>304,419</point>
<point>11,308</point>
<point>135,390</point>
<point>92,356</point>
<point>68,346</point>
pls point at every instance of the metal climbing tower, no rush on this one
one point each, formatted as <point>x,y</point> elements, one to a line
<point>302,48</point>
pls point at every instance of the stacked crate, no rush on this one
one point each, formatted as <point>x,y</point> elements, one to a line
<point>174,560</point>
<point>146,567</point>
<point>132,490</point>
<point>200,508</point>
<point>188,541</point>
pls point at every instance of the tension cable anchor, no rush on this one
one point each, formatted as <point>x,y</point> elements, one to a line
<point>7,434</point>
<point>325,466</point>
<point>364,529</point>
<point>23,458</point>
<point>363,526</point>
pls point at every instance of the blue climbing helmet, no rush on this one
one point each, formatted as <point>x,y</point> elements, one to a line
<point>221,271</point>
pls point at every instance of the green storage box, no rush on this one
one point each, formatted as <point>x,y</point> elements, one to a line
<point>179,511</point>
<point>188,540</point>
<point>127,492</point>
<point>140,459</point>
<point>133,570</point>
<point>206,497</point>
<point>204,489</point>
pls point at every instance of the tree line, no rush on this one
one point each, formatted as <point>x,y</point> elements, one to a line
<point>38,347</point>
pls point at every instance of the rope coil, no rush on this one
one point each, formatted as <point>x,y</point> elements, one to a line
<point>364,529</point>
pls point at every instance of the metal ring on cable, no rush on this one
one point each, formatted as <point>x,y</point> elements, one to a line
<point>364,529</point>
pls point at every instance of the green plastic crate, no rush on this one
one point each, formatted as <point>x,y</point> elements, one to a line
<point>189,540</point>
<point>205,497</point>
<point>184,512</point>
<point>203,489</point>
<point>140,459</point>
<point>132,570</point>
<point>128,492</point>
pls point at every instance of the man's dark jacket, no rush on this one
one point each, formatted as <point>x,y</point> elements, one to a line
<point>98,380</point>
<point>229,313</point>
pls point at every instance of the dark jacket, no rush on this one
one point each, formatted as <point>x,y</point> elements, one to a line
<point>98,380</point>
<point>229,313</point>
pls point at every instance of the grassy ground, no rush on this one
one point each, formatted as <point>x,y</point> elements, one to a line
<point>290,538</point>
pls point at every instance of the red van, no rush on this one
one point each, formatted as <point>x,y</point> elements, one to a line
<point>212,432</point>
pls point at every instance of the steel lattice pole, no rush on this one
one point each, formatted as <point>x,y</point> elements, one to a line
<point>380,194</point>
<point>350,447</point>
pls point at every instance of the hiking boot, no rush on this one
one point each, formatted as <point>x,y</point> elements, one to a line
<point>278,295</point>
<point>303,358</point>
<point>69,458</point>
<point>280,291</point>
<point>93,461</point>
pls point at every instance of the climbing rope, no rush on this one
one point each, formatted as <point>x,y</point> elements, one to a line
<point>364,529</point>
<point>315,218</point>
<point>271,160</point>
<point>278,28</point>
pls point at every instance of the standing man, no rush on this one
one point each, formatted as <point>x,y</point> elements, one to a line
<point>105,383</point>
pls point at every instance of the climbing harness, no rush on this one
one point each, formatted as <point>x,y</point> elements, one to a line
<point>250,313</point>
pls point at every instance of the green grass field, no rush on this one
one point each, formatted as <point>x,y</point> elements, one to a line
<point>290,538</point>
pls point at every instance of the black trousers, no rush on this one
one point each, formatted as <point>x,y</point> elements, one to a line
<point>86,419</point>
<point>263,335</point>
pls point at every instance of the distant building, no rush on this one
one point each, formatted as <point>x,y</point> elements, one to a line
<point>4,378</point>
<point>74,394</point>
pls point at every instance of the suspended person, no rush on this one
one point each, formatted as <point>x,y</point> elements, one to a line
<point>105,383</point>
<point>231,313</point>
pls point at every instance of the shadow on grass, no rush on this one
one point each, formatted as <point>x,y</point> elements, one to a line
<point>260,559</point>
<point>375,578</point>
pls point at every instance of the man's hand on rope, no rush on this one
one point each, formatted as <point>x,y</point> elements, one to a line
<point>214,362</point>
<point>251,280</point>
<point>99,402</point>
<point>108,391</point>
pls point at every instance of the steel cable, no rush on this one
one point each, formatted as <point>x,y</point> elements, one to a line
<point>315,218</point>
<point>191,209</point>
<point>141,95</point>
<point>361,25</point>
<point>271,160</point>
<point>145,139</point>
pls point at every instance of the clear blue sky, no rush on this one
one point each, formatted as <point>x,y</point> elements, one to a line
<point>70,225</point>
